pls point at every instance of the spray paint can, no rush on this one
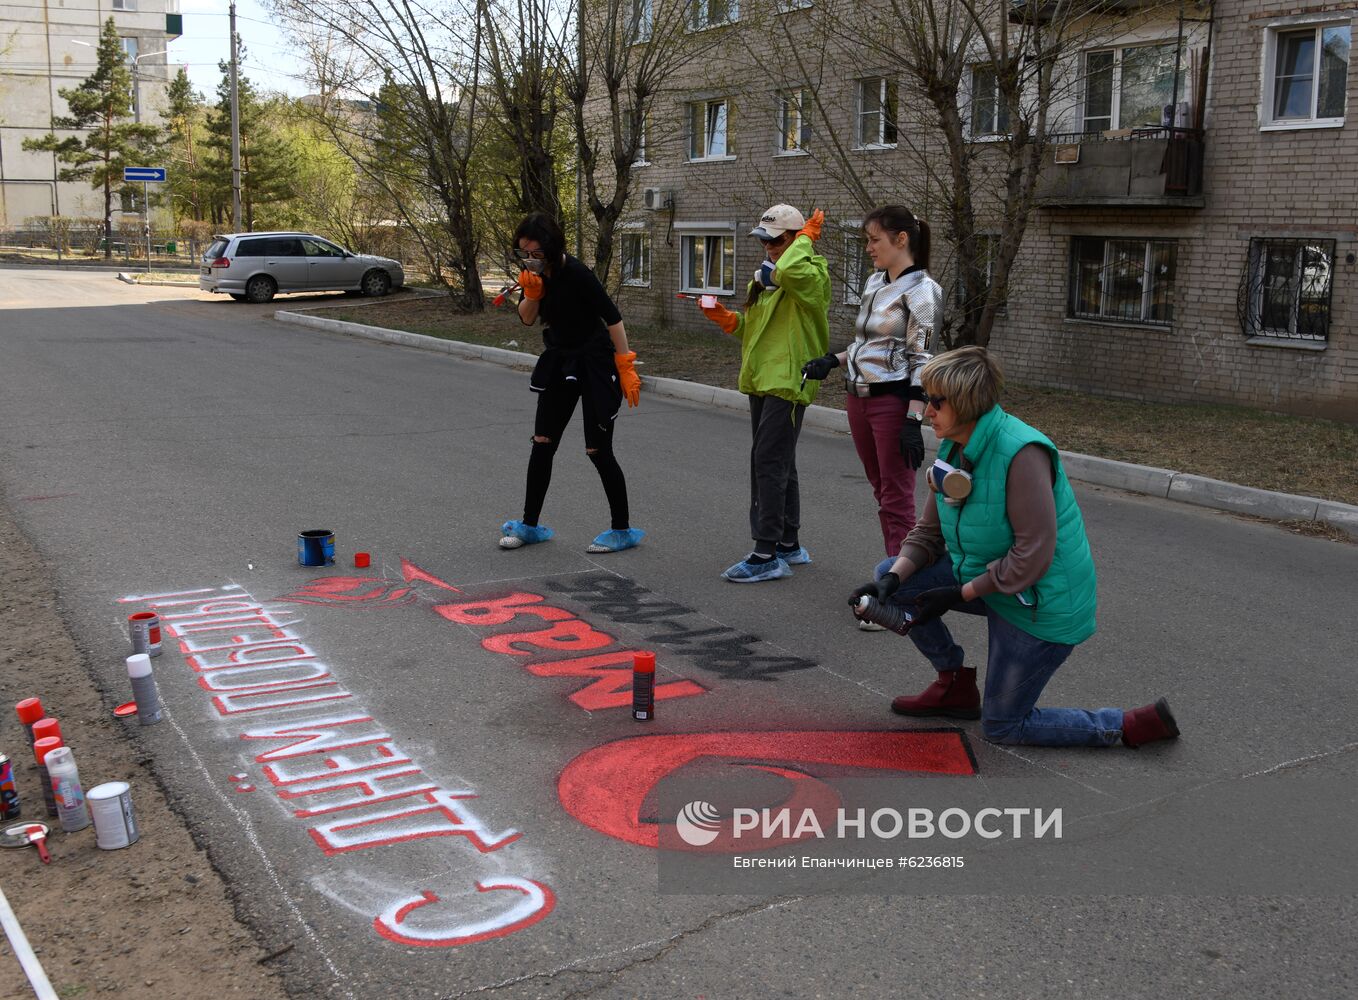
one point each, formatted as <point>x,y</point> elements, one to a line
<point>144,630</point>
<point>643,686</point>
<point>888,616</point>
<point>71,807</point>
<point>41,748</point>
<point>9,795</point>
<point>29,711</point>
<point>115,824</point>
<point>144,689</point>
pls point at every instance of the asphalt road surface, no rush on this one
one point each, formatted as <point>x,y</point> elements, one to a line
<point>424,774</point>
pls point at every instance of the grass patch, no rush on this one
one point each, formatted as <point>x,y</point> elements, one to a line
<point>1270,451</point>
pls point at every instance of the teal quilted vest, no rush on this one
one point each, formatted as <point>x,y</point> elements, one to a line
<point>1060,606</point>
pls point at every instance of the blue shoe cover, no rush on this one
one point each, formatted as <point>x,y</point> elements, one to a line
<point>748,572</point>
<point>797,557</point>
<point>523,534</point>
<point>616,539</point>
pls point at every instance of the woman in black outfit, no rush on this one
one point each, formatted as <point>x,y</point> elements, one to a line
<point>585,358</point>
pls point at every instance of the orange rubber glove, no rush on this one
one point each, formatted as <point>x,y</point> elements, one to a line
<point>532,285</point>
<point>723,317</point>
<point>628,377</point>
<point>812,228</point>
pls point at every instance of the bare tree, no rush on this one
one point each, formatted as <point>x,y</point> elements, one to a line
<point>410,120</point>
<point>625,52</point>
<point>983,187</point>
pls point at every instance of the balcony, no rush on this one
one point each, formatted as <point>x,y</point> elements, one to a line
<point>1146,167</point>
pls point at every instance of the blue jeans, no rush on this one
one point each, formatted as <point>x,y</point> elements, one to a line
<point>1017,669</point>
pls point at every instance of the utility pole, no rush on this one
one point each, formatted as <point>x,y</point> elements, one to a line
<point>235,129</point>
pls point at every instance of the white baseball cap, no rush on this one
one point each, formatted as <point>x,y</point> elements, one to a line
<point>778,220</point>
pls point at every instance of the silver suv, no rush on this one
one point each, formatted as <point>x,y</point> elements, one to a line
<point>253,267</point>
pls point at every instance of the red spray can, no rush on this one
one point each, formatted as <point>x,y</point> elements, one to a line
<point>643,686</point>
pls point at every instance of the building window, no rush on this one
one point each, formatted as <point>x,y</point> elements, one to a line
<point>1129,87</point>
<point>989,113</point>
<point>643,19</point>
<point>636,258</point>
<point>707,125</point>
<point>987,249</point>
<point>708,263</point>
<point>794,120</point>
<point>857,266</point>
<point>636,129</point>
<point>710,13</point>
<point>1287,291</point>
<point>876,113</point>
<point>1129,281</point>
<point>787,6</point>
<point>124,4</point>
<point>1307,74</point>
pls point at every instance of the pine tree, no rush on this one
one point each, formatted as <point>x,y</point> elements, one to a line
<point>184,115</point>
<point>266,160</point>
<point>101,110</point>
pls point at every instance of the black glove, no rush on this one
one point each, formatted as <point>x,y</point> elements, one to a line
<point>883,588</point>
<point>933,604</point>
<point>912,443</point>
<point>819,368</point>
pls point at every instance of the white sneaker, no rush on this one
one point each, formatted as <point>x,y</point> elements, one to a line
<point>511,542</point>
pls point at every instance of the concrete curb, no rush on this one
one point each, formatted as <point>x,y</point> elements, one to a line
<point>1163,483</point>
<point>131,279</point>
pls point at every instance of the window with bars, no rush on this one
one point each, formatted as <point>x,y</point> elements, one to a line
<point>794,122</point>
<point>1128,87</point>
<point>1286,290</point>
<point>1306,75</point>
<point>636,258</point>
<point>708,262</point>
<point>707,130</point>
<point>1127,281</point>
<point>643,18</point>
<point>876,126</point>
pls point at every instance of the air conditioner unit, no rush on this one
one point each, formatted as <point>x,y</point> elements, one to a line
<point>657,198</point>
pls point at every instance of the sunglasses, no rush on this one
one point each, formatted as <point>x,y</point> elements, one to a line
<point>936,401</point>
<point>773,242</point>
<point>528,254</point>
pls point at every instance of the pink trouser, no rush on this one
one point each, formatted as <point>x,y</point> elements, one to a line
<point>875,423</point>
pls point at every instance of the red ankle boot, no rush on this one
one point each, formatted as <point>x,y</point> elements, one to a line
<point>1149,724</point>
<point>953,694</point>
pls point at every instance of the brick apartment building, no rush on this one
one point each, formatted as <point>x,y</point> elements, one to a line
<point>1208,262</point>
<point>48,45</point>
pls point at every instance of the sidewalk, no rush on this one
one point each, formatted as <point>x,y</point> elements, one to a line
<point>1167,484</point>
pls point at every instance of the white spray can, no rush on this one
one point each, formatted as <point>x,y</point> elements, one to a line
<point>71,807</point>
<point>144,689</point>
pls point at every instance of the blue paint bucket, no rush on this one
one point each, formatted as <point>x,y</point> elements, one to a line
<point>316,547</point>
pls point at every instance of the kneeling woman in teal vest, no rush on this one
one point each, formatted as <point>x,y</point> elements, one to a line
<point>1001,536</point>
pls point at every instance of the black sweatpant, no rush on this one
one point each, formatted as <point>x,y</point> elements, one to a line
<point>775,502</point>
<point>556,404</point>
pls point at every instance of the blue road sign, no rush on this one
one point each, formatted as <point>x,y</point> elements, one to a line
<point>131,174</point>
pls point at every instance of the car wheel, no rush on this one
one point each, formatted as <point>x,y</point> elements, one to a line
<point>236,296</point>
<point>260,288</point>
<point>376,283</point>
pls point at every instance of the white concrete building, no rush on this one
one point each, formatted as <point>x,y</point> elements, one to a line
<point>48,45</point>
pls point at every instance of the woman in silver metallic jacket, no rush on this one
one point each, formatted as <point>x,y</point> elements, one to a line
<point>899,315</point>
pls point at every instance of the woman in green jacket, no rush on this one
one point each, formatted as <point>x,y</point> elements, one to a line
<point>785,324</point>
<point>1001,536</point>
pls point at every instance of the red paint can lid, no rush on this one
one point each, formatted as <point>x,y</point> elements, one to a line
<point>46,727</point>
<point>125,709</point>
<point>45,746</point>
<point>29,710</point>
<point>643,662</point>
